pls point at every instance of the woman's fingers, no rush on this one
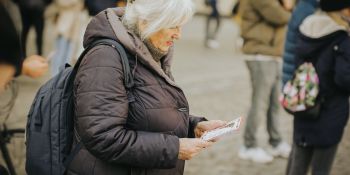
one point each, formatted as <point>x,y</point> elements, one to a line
<point>204,144</point>
<point>191,147</point>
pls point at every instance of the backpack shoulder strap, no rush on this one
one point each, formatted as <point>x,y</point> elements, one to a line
<point>128,81</point>
<point>128,78</point>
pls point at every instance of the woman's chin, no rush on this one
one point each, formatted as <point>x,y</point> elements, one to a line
<point>165,49</point>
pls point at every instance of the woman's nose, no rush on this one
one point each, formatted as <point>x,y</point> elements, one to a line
<point>177,34</point>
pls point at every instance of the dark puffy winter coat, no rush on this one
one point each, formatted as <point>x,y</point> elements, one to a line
<point>303,9</point>
<point>326,44</point>
<point>121,136</point>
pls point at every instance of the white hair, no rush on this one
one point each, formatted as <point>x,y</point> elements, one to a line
<point>157,14</point>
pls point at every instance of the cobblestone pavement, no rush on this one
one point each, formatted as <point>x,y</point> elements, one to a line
<point>217,86</point>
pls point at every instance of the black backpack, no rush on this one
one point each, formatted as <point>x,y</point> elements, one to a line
<point>50,125</point>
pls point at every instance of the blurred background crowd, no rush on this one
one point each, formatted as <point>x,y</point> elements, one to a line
<point>232,60</point>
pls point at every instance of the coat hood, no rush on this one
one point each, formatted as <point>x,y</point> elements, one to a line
<point>317,32</point>
<point>319,25</point>
<point>108,24</point>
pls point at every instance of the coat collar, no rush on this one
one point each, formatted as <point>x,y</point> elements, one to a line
<point>137,47</point>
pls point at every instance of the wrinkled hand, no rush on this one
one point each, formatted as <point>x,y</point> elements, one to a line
<point>191,147</point>
<point>35,66</point>
<point>207,126</point>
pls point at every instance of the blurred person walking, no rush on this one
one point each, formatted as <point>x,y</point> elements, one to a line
<point>263,30</point>
<point>325,43</point>
<point>303,9</point>
<point>211,31</point>
<point>67,25</point>
<point>12,63</point>
<point>12,60</point>
<point>32,14</point>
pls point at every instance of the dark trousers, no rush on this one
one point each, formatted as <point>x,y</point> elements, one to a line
<point>320,160</point>
<point>32,18</point>
<point>212,32</point>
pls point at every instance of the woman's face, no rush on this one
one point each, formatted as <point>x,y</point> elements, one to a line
<point>165,38</point>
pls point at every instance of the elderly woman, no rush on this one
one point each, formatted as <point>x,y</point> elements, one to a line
<point>153,134</point>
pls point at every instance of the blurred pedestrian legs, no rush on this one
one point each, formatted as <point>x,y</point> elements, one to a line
<point>211,30</point>
<point>32,14</point>
<point>300,160</point>
<point>265,79</point>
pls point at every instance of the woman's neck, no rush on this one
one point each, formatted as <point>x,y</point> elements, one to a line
<point>156,53</point>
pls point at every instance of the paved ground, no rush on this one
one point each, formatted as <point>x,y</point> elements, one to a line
<point>217,86</point>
